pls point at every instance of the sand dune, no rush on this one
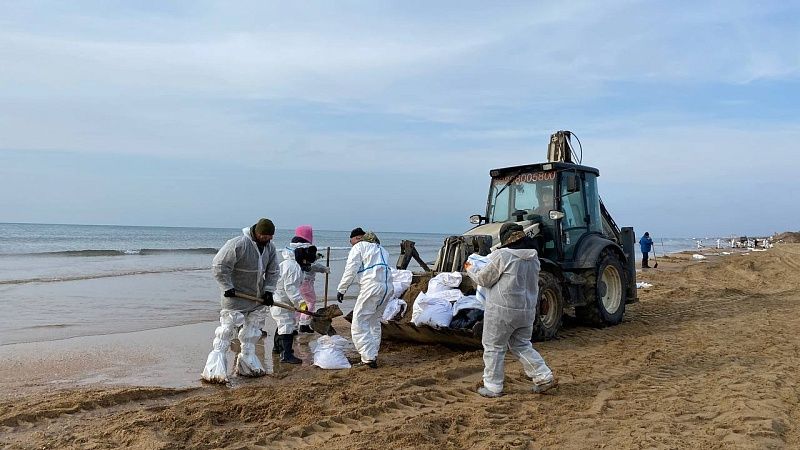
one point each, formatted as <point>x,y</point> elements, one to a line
<point>708,359</point>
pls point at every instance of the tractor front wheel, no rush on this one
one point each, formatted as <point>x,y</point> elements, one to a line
<point>549,308</point>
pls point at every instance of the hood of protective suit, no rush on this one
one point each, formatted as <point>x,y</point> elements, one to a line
<point>288,251</point>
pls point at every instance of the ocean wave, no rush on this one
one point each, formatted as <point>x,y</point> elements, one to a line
<point>142,251</point>
<point>99,275</point>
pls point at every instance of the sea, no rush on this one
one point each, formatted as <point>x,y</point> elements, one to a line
<point>64,281</point>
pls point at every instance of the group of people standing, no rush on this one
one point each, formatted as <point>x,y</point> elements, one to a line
<point>248,264</point>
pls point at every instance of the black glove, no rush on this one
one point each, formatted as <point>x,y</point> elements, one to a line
<point>230,293</point>
<point>267,298</point>
<point>339,297</point>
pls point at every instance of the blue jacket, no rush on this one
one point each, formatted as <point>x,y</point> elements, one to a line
<point>646,243</point>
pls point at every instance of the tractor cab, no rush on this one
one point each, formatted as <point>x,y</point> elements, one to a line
<point>556,203</point>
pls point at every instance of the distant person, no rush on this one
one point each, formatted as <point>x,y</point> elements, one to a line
<point>295,256</point>
<point>246,264</point>
<point>305,234</point>
<point>370,260</point>
<point>646,245</point>
<point>512,281</point>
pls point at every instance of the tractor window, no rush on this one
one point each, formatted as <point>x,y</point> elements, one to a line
<point>529,195</point>
<point>573,225</point>
<point>593,202</point>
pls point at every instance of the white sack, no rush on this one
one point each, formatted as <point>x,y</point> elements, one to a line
<point>395,309</point>
<point>466,302</point>
<point>434,311</point>
<point>643,285</point>
<point>329,352</point>
<point>479,262</point>
<point>698,257</point>
<point>444,281</point>
<point>401,280</point>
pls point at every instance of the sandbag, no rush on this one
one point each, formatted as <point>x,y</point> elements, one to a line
<point>444,281</point>
<point>395,310</point>
<point>434,311</point>
<point>467,302</point>
<point>401,279</point>
<point>329,352</point>
<point>479,262</point>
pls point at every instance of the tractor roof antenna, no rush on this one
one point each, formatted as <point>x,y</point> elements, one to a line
<point>560,149</point>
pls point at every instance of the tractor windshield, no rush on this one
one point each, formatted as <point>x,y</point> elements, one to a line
<point>528,195</point>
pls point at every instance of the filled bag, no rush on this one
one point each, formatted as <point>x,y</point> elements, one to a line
<point>395,310</point>
<point>401,279</point>
<point>444,281</point>
<point>431,310</point>
<point>329,352</point>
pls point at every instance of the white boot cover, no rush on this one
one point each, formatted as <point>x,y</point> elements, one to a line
<point>247,363</point>
<point>216,370</point>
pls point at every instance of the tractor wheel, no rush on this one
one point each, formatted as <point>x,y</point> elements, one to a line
<point>549,308</point>
<point>607,294</point>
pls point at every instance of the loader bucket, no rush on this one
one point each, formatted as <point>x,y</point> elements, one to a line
<point>424,334</point>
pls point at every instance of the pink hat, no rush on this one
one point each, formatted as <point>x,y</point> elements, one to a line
<point>305,232</point>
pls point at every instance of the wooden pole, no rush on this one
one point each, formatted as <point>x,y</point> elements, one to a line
<point>327,275</point>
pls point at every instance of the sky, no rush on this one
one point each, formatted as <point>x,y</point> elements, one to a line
<point>389,115</point>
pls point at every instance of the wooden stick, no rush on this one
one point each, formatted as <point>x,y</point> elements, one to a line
<point>327,275</point>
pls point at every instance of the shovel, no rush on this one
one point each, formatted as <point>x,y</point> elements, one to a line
<point>320,321</point>
<point>655,266</point>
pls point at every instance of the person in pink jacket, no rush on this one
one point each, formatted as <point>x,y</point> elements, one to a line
<point>305,234</point>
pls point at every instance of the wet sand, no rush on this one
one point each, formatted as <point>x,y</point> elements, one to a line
<point>707,359</point>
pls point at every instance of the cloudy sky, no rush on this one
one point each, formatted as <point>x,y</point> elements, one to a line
<point>390,115</point>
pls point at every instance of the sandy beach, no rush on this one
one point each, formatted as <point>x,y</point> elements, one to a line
<point>707,359</point>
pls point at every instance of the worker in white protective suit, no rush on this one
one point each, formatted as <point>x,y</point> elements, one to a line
<point>295,255</point>
<point>246,264</point>
<point>367,260</point>
<point>511,279</point>
<point>305,234</point>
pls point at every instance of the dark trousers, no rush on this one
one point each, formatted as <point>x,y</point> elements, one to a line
<point>644,259</point>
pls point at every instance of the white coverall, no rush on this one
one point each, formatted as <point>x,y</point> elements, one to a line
<point>369,261</point>
<point>511,279</point>
<point>308,291</point>
<point>288,290</point>
<point>239,265</point>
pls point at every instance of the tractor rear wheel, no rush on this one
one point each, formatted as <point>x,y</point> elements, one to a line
<point>607,294</point>
<point>549,308</point>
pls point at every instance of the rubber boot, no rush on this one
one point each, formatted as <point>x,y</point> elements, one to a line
<point>287,355</point>
<point>276,348</point>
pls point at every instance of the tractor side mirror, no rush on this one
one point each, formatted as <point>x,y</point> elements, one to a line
<point>475,219</point>
<point>556,215</point>
<point>573,183</point>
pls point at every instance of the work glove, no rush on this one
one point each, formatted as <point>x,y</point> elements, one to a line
<point>339,297</point>
<point>303,306</point>
<point>266,298</point>
<point>230,293</point>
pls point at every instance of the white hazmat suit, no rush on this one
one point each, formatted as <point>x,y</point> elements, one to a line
<point>288,290</point>
<point>511,279</point>
<point>241,266</point>
<point>368,262</point>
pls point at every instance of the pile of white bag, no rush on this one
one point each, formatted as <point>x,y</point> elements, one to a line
<point>329,352</point>
<point>435,307</point>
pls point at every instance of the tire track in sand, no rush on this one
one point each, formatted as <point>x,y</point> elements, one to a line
<point>367,420</point>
